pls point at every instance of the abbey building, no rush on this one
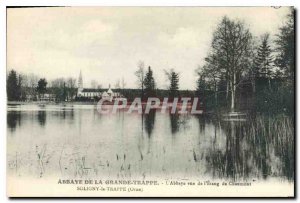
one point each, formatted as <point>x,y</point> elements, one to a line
<point>95,93</point>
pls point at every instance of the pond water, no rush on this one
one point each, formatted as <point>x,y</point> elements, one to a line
<point>76,141</point>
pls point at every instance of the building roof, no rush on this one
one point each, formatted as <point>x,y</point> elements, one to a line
<point>110,91</point>
<point>91,90</point>
<point>105,94</point>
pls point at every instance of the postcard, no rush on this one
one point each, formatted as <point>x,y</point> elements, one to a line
<point>150,101</point>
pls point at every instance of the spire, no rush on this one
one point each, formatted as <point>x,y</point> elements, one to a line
<point>80,83</point>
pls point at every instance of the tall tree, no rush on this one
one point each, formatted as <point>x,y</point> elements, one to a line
<point>20,94</point>
<point>149,83</point>
<point>33,80</point>
<point>12,87</point>
<point>25,87</point>
<point>64,92</point>
<point>286,46</point>
<point>264,60</point>
<point>71,84</point>
<point>140,74</point>
<point>231,47</point>
<point>42,86</point>
<point>200,86</point>
<point>117,85</point>
<point>173,78</point>
<point>123,85</point>
<point>212,73</point>
<point>57,87</point>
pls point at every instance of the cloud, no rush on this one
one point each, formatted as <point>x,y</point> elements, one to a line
<point>88,34</point>
<point>95,31</point>
<point>186,39</point>
<point>183,37</point>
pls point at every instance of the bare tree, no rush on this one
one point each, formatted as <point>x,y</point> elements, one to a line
<point>25,80</point>
<point>58,82</point>
<point>32,81</point>
<point>118,85</point>
<point>71,84</point>
<point>140,74</point>
<point>212,74</point>
<point>94,84</point>
<point>231,47</point>
<point>123,85</point>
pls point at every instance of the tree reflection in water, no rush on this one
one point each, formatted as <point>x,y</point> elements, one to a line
<point>149,121</point>
<point>252,148</point>
<point>204,145</point>
<point>13,119</point>
<point>201,121</point>
<point>174,121</point>
<point>41,117</point>
<point>179,122</point>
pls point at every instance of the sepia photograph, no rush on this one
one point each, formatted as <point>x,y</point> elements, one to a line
<point>150,101</point>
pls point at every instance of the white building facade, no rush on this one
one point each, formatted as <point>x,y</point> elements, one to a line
<point>93,93</point>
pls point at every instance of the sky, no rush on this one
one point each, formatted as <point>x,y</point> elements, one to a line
<point>106,43</point>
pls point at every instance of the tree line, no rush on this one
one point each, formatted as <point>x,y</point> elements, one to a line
<point>239,71</point>
<point>242,71</point>
<point>147,85</point>
<point>22,87</point>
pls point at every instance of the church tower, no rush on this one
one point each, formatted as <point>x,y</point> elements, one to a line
<point>80,83</point>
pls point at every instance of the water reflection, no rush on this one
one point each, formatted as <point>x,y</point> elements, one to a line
<point>249,151</point>
<point>174,121</point>
<point>201,122</point>
<point>229,162</point>
<point>13,119</point>
<point>41,117</point>
<point>66,113</point>
<point>206,146</point>
<point>149,122</point>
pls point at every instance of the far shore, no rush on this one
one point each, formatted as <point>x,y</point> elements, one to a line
<point>179,104</point>
<point>53,103</point>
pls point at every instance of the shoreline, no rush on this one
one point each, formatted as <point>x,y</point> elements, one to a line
<point>50,103</point>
